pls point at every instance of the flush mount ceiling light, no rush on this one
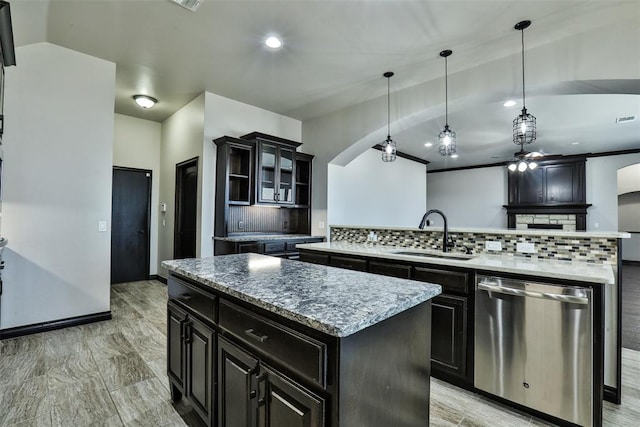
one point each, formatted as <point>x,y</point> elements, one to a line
<point>447,138</point>
<point>389,150</point>
<point>145,101</point>
<point>428,144</point>
<point>509,103</point>
<point>524,126</point>
<point>273,42</point>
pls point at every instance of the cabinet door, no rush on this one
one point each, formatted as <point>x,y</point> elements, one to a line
<point>237,386</point>
<point>449,334</point>
<point>268,171</point>
<point>314,258</point>
<point>348,263</point>
<point>562,183</point>
<point>284,403</point>
<point>200,376</point>
<point>531,187</point>
<point>390,269</point>
<point>286,184</point>
<point>175,346</point>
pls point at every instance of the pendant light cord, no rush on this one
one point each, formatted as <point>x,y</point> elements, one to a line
<point>523,103</point>
<point>446,93</point>
<point>388,109</point>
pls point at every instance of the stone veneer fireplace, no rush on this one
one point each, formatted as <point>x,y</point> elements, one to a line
<point>565,222</point>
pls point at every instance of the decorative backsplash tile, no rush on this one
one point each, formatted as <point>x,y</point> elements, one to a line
<point>587,249</point>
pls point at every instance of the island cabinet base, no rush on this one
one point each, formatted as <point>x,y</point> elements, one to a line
<point>241,365</point>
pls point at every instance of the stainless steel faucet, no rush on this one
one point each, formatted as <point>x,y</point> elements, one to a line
<point>445,237</point>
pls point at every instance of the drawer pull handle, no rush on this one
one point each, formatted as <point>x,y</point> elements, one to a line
<point>260,338</point>
<point>185,297</point>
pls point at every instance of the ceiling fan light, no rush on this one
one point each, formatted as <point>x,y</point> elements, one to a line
<point>522,166</point>
<point>533,165</point>
<point>512,167</point>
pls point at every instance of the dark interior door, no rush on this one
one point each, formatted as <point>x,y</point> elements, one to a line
<point>184,245</point>
<point>130,218</point>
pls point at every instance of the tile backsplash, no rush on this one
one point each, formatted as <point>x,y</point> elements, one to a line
<point>568,248</point>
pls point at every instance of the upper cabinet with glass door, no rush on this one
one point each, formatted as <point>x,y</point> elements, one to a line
<point>275,169</point>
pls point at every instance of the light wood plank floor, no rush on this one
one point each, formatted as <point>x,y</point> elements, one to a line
<point>113,373</point>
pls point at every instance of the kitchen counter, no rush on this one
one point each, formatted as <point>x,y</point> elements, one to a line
<point>579,271</point>
<point>331,300</point>
<point>259,237</point>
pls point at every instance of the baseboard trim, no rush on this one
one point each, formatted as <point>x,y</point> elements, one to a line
<point>161,279</point>
<point>612,394</point>
<point>35,328</point>
<point>636,263</point>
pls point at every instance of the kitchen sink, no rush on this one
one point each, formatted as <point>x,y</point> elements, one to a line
<point>458,257</point>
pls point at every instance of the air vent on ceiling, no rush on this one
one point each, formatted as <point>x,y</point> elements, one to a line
<point>625,119</point>
<point>192,5</point>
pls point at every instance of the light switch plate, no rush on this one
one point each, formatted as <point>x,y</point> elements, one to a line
<point>526,247</point>
<point>102,225</point>
<point>492,245</point>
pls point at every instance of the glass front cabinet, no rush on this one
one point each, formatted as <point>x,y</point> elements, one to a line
<point>276,172</point>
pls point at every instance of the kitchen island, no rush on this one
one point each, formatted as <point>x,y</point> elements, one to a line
<point>258,340</point>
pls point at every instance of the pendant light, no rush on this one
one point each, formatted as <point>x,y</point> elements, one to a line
<point>447,138</point>
<point>389,150</point>
<point>524,126</point>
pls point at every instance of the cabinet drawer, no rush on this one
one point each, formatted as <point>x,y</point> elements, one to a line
<point>254,247</point>
<point>349,263</point>
<point>297,352</point>
<point>388,269</point>
<point>314,258</point>
<point>449,280</point>
<point>274,247</point>
<point>189,296</point>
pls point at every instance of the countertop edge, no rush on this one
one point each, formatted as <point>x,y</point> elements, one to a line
<point>468,263</point>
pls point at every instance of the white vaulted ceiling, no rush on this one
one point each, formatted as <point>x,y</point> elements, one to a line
<point>335,52</point>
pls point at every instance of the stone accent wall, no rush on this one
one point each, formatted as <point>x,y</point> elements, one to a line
<point>585,249</point>
<point>568,221</point>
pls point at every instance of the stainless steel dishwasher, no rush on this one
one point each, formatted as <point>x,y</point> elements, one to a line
<point>534,346</point>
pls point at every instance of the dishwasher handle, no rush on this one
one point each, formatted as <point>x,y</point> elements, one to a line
<point>487,286</point>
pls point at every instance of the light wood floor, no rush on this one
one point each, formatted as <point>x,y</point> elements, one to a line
<point>631,307</point>
<point>113,373</point>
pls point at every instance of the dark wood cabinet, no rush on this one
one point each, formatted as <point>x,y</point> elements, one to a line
<point>284,403</point>
<point>283,248</point>
<point>303,180</point>
<point>237,386</point>
<point>199,342</point>
<point>449,336</point>
<point>190,361</point>
<point>275,173</point>
<point>452,311</point>
<point>552,182</point>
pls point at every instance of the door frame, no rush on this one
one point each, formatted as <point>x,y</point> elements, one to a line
<point>149,173</point>
<point>178,188</point>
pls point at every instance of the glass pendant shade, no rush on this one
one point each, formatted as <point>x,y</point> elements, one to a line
<point>389,151</point>
<point>447,142</point>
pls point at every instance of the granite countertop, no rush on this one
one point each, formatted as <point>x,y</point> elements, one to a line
<point>560,233</point>
<point>568,270</point>
<point>332,300</point>
<point>257,237</point>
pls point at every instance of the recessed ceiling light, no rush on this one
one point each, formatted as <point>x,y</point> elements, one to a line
<point>192,5</point>
<point>428,144</point>
<point>273,42</point>
<point>454,156</point>
<point>145,101</point>
<point>575,143</point>
<point>509,103</point>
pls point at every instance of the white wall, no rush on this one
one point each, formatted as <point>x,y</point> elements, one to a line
<point>629,179</point>
<point>368,191</point>
<point>471,197</point>
<point>181,140</point>
<point>602,190</point>
<point>56,186</point>
<point>136,144</point>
